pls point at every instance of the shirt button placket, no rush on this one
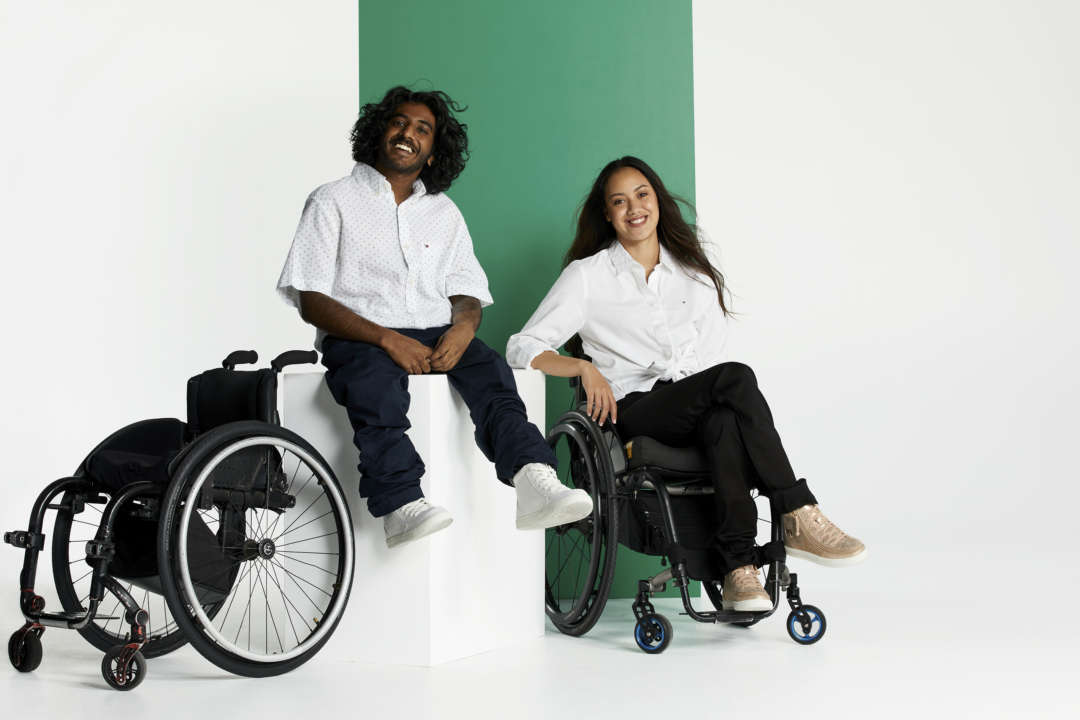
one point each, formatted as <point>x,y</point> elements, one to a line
<point>403,239</point>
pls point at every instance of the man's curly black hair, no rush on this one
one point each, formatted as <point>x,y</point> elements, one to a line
<point>451,148</point>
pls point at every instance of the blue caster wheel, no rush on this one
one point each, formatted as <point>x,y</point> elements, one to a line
<point>808,628</point>
<point>653,633</point>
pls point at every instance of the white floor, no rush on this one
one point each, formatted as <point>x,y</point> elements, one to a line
<point>908,636</point>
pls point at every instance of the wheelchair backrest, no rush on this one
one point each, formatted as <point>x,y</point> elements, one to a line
<point>221,395</point>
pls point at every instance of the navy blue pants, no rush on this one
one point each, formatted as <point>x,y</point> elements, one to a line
<point>375,392</point>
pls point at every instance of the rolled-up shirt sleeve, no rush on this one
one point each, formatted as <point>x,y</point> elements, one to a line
<point>465,276</point>
<point>312,261</point>
<point>560,315</point>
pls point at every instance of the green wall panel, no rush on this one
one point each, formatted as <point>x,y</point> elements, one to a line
<point>554,91</point>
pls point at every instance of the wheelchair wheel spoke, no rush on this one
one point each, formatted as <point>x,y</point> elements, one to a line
<point>290,525</point>
<point>294,577</point>
<point>286,603</point>
<point>268,612</point>
<point>331,573</point>
<point>315,519</point>
<point>233,595</point>
<point>568,556</point>
<point>297,542</point>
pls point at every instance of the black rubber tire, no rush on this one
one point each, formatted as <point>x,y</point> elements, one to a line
<point>24,650</point>
<point>592,458</point>
<point>653,633</point>
<point>136,670</point>
<point>793,622</point>
<point>201,451</point>
<point>93,632</point>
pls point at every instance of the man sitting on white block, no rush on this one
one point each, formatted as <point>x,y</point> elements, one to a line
<point>382,265</point>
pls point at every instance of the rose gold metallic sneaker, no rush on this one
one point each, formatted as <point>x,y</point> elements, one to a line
<point>742,591</point>
<point>809,535</point>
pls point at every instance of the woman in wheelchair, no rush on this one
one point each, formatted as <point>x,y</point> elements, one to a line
<point>644,312</point>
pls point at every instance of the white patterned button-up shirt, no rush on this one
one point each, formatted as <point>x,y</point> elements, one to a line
<point>395,265</point>
<point>636,331</point>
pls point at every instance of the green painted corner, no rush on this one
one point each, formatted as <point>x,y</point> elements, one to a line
<point>554,91</point>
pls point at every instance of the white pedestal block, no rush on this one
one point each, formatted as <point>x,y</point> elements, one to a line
<point>473,587</point>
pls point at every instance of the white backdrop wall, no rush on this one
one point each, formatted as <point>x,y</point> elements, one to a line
<point>155,160</point>
<point>892,190</point>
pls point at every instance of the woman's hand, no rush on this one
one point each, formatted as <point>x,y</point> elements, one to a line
<point>599,400</point>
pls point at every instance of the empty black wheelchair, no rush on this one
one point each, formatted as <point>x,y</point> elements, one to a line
<point>653,499</point>
<point>228,531</point>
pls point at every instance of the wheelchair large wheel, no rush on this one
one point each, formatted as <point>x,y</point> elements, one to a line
<point>580,556</point>
<point>71,575</point>
<point>254,519</point>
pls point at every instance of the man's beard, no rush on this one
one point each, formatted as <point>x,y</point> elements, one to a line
<point>407,168</point>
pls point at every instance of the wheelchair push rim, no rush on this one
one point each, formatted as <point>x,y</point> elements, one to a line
<point>575,609</point>
<point>302,611</point>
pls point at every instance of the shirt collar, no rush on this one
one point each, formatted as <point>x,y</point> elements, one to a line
<point>373,179</point>
<point>622,260</point>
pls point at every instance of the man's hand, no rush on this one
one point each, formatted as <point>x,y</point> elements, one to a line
<point>451,347</point>
<point>411,355</point>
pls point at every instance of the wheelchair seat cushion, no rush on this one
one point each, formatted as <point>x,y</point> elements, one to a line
<point>117,468</point>
<point>648,452</point>
<point>139,452</point>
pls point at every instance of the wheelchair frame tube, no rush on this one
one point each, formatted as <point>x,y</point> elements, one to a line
<point>681,580</point>
<point>105,532</point>
<point>37,519</point>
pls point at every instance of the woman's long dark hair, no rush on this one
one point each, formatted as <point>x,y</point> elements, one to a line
<point>680,238</point>
<point>451,149</point>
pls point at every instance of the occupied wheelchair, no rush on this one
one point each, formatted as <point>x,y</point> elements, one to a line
<point>653,499</point>
<point>227,531</point>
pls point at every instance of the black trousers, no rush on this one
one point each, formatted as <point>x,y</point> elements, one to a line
<point>723,411</point>
<point>375,393</point>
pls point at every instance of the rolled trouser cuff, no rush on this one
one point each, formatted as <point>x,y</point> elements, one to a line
<point>785,500</point>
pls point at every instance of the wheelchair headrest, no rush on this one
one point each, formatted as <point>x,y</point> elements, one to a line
<point>221,396</point>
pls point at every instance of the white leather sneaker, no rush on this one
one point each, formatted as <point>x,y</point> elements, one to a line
<point>543,501</point>
<point>413,521</point>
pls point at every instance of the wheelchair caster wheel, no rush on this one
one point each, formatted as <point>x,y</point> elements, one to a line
<point>123,667</point>
<point>653,633</point>
<point>24,650</point>
<point>806,625</point>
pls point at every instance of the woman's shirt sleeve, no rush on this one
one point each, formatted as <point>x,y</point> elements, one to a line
<point>560,315</point>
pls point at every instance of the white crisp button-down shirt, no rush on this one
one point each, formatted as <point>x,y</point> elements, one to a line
<point>636,331</point>
<point>395,265</point>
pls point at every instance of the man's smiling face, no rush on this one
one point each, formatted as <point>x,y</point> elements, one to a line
<point>409,139</point>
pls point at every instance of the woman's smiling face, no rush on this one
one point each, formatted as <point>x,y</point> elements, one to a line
<point>630,206</point>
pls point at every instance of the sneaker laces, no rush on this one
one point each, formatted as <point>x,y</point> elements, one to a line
<point>416,508</point>
<point>746,578</point>
<point>830,533</point>
<point>545,480</point>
